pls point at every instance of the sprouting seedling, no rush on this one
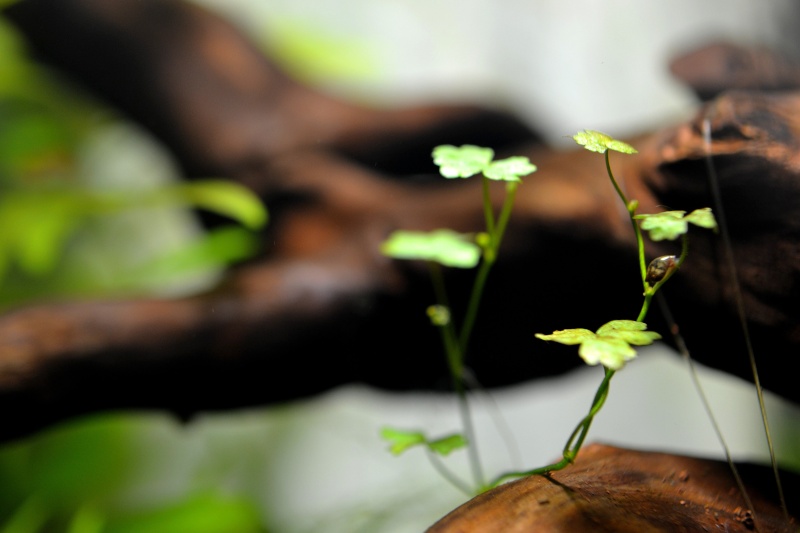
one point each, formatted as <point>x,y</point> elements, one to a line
<point>610,345</point>
<point>451,249</point>
<point>401,441</point>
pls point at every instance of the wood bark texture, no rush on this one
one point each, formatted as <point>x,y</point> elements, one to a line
<point>614,490</point>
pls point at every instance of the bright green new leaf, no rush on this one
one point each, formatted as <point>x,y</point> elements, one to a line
<point>630,331</point>
<point>442,246</point>
<point>596,141</point>
<point>702,217</point>
<point>567,336</point>
<point>670,225</point>
<point>461,161</point>
<point>400,440</point>
<point>509,169</point>
<point>446,445</point>
<point>610,352</point>
<point>610,345</point>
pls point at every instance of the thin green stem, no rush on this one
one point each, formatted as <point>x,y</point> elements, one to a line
<point>631,208</point>
<point>446,473</point>
<point>455,360</point>
<point>452,351</point>
<point>496,233</point>
<point>576,438</point>
<point>487,207</point>
<point>474,303</point>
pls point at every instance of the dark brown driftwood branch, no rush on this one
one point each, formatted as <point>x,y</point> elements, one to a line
<point>309,314</point>
<point>722,66</point>
<point>613,490</point>
<point>321,307</point>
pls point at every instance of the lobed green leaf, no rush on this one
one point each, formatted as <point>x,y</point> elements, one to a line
<point>446,445</point>
<point>610,345</point>
<point>670,225</point>
<point>441,246</point>
<point>703,218</point>
<point>509,169</point>
<point>400,440</point>
<point>567,336</point>
<point>461,161</point>
<point>608,351</point>
<point>596,141</point>
<point>630,331</point>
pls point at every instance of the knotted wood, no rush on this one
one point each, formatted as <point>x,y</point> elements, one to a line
<point>615,490</point>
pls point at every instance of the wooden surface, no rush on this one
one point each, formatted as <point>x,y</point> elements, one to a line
<point>611,489</point>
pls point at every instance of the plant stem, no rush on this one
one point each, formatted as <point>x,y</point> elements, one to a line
<point>576,438</point>
<point>578,435</point>
<point>445,472</point>
<point>495,232</point>
<point>455,361</point>
<point>487,207</point>
<point>631,207</point>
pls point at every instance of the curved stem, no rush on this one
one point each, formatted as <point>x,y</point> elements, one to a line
<point>576,439</point>
<point>631,207</point>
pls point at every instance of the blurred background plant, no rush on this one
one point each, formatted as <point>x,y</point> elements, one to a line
<point>81,190</point>
<point>80,193</point>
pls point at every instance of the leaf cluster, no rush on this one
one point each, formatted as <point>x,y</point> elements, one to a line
<point>468,160</point>
<point>610,345</point>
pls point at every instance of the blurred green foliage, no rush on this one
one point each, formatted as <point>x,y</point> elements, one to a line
<point>64,233</point>
<point>51,207</point>
<point>72,479</point>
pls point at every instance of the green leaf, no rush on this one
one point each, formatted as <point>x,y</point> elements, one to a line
<point>226,198</point>
<point>702,217</point>
<point>446,445</point>
<point>596,141</point>
<point>630,331</point>
<point>610,345</point>
<point>609,352</point>
<point>670,225</point>
<point>400,440</point>
<point>463,161</point>
<point>509,169</point>
<point>442,246</point>
<point>567,336</point>
<point>667,225</point>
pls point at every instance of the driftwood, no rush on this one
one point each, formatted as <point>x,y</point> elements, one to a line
<point>321,307</point>
<point>613,490</point>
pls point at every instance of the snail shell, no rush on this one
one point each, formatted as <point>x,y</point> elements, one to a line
<point>660,267</point>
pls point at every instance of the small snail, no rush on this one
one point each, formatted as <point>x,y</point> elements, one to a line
<point>661,268</point>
